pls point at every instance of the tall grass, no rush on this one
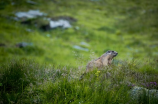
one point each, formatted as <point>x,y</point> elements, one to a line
<point>127,27</point>
<point>27,82</point>
<point>16,76</point>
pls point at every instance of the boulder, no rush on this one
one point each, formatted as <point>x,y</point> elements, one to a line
<point>29,15</point>
<point>137,93</point>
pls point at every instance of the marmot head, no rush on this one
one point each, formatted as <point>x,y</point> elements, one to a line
<point>112,54</point>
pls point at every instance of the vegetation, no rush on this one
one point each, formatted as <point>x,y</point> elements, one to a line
<point>128,27</point>
<point>27,82</point>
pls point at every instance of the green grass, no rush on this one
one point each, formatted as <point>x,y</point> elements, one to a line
<point>128,27</point>
<point>104,25</point>
<point>26,82</point>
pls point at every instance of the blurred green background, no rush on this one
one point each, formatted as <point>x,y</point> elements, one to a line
<point>129,27</point>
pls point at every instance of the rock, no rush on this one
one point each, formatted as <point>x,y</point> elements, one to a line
<point>44,23</point>
<point>48,35</point>
<point>80,48</point>
<point>28,30</point>
<point>56,24</point>
<point>136,92</point>
<point>60,23</point>
<point>139,92</point>
<point>84,44</point>
<point>31,2</point>
<point>23,44</point>
<point>29,15</point>
<point>67,18</point>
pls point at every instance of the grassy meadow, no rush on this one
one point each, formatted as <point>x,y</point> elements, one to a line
<point>47,71</point>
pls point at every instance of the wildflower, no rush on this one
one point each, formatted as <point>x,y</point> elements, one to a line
<point>97,73</point>
<point>151,82</point>
<point>155,83</point>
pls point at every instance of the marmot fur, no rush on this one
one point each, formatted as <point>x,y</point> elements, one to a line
<point>104,60</point>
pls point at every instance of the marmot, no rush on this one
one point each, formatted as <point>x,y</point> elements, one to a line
<point>104,60</point>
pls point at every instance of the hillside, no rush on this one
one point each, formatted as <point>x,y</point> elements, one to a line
<point>130,28</point>
<point>46,44</point>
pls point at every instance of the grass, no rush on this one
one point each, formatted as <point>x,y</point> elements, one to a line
<point>27,82</point>
<point>111,28</point>
<point>130,28</point>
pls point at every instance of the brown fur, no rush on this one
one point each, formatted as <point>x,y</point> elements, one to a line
<point>103,61</point>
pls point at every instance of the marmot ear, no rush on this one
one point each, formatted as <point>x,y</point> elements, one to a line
<point>108,51</point>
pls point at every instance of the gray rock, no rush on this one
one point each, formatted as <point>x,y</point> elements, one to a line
<point>30,14</point>
<point>80,48</point>
<point>84,44</point>
<point>31,2</point>
<point>60,23</point>
<point>23,44</point>
<point>137,92</point>
<point>67,18</point>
